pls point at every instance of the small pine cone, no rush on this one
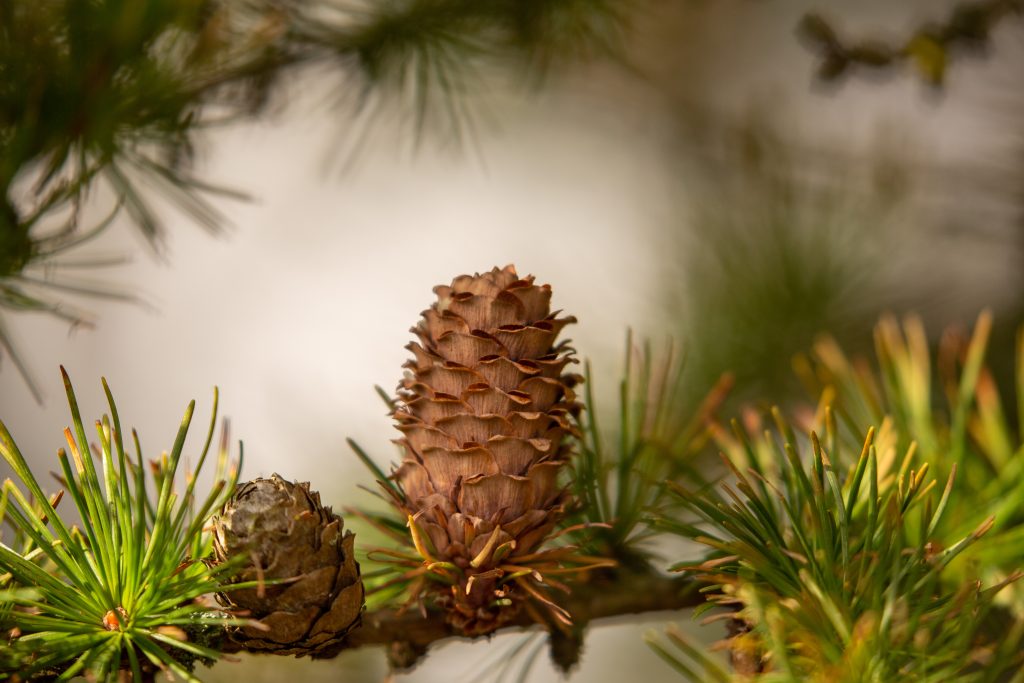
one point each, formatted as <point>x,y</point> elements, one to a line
<point>482,410</point>
<point>288,534</point>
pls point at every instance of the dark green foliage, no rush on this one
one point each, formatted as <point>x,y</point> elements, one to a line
<point>113,93</point>
<point>105,89</point>
<point>116,90</point>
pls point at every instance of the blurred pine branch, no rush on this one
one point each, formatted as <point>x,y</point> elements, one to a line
<point>783,240</point>
<point>114,94</point>
<point>930,49</point>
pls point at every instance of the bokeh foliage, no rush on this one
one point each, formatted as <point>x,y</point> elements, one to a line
<point>110,100</point>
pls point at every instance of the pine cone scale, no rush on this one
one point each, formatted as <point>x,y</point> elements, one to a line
<point>282,627</point>
<point>344,611</point>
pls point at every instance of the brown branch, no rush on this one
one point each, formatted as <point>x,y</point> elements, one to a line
<point>407,636</point>
<point>967,28</point>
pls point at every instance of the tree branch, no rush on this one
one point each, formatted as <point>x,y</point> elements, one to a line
<point>967,28</point>
<point>408,635</point>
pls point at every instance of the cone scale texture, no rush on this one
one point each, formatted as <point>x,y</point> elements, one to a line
<point>483,410</point>
<point>286,533</point>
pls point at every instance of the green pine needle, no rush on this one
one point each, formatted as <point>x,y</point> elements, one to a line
<point>622,476</point>
<point>123,590</point>
<point>835,580</point>
<point>948,404</point>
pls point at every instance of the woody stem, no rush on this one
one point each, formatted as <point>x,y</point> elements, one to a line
<point>409,634</point>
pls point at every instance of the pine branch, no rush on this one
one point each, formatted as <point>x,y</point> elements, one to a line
<point>408,635</point>
<point>100,93</point>
<point>967,28</point>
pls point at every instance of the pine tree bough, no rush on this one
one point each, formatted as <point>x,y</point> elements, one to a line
<point>408,634</point>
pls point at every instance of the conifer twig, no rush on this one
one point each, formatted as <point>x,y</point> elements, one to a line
<point>409,634</point>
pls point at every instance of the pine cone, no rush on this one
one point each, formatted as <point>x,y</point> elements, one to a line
<point>483,410</point>
<point>288,534</point>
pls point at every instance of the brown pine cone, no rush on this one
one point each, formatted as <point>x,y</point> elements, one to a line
<point>288,534</point>
<point>482,412</point>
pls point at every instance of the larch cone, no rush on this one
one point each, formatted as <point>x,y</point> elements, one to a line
<point>284,532</point>
<point>483,410</point>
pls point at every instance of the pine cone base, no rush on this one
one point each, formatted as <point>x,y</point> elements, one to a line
<point>290,632</point>
<point>472,620</point>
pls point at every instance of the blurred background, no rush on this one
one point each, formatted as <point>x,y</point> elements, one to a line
<point>714,180</point>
